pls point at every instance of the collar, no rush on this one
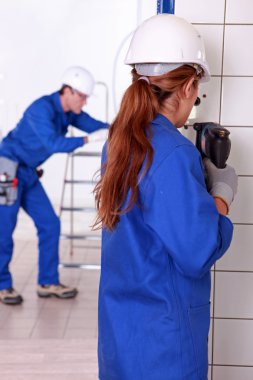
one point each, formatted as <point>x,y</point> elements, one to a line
<point>162,120</point>
<point>57,103</point>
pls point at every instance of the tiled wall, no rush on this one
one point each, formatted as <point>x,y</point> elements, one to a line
<point>227,27</point>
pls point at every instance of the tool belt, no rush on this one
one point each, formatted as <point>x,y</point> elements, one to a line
<point>8,181</point>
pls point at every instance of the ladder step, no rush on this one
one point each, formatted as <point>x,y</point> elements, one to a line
<point>86,209</point>
<point>86,154</point>
<point>80,265</point>
<point>81,237</point>
<point>88,182</point>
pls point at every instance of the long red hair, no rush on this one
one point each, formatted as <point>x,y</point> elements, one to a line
<point>129,143</point>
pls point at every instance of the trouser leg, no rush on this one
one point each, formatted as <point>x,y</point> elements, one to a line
<point>37,205</point>
<point>8,220</point>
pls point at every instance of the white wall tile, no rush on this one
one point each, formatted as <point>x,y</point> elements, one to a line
<point>208,11</point>
<point>189,133</point>
<point>237,103</point>
<point>211,298</point>
<point>233,342</point>
<point>232,373</point>
<point>210,336</point>
<point>241,155</point>
<point>213,38</point>
<point>234,295</point>
<point>237,57</point>
<point>241,210</point>
<point>210,343</point>
<point>239,256</point>
<point>209,94</point>
<point>240,12</point>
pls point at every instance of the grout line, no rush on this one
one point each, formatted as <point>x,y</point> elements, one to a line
<point>214,268</point>
<point>66,324</point>
<point>240,126</point>
<point>227,126</point>
<point>234,318</point>
<point>231,76</point>
<point>222,63</point>
<point>223,24</point>
<point>233,271</point>
<point>245,175</point>
<point>213,322</point>
<point>242,224</point>
<point>233,365</point>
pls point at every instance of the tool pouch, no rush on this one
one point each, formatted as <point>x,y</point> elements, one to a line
<point>8,181</point>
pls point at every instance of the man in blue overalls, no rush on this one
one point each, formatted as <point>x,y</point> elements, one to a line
<point>39,134</point>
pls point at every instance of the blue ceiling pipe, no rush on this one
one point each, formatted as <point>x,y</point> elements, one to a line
<point>165,6</point>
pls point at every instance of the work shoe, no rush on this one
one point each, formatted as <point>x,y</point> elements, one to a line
<point>60,291</point>
<point>10,297</point>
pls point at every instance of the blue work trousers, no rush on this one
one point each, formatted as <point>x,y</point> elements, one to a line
<point>34,200</point>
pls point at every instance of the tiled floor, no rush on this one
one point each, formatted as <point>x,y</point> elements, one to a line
<point>50,339</point>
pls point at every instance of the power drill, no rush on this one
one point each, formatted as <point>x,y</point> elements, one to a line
<point>213,142</point>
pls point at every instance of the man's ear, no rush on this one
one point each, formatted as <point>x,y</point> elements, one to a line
<point>67,90</point>
<point>188,88</point>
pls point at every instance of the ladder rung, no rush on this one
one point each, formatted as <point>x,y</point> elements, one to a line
<point>88,182</point>
<point>87,209</point>
<point>88,246</point>
<point>86,154</point>
<point>80,265</point>
<point>81,237</point>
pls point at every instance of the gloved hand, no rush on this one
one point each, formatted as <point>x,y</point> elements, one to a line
<point>39,172</point>
<point>221,183</point>
<point>98,135</point>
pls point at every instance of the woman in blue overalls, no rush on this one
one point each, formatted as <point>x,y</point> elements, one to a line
<point>162,230</point>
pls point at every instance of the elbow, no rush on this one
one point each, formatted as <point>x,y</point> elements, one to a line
<point>197,268</point>
<point>196,273</point>
<point>50,150</point>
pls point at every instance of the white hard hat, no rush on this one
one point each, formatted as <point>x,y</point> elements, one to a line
<point>79,79</point>
<point>166,38</point>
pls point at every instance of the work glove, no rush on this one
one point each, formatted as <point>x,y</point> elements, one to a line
<point>99,135</point>
<point>221,183</point>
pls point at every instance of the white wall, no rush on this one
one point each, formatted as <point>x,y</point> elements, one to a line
<point>227,27</point>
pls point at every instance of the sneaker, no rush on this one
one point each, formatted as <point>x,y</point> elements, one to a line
<point>10,297</point>
<point>60,291</point>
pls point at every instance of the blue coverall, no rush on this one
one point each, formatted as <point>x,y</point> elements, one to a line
<point>154,297</point>
<point>39,134</point>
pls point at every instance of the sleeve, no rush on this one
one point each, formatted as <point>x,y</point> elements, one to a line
<point>86,123</point>
<point>40,119</point>
<point>178,208</point>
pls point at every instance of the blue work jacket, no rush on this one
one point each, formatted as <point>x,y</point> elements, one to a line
<point>154,297</point>
<point>42,129</point>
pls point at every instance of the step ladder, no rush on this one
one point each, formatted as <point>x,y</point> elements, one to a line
<point>72,209</point>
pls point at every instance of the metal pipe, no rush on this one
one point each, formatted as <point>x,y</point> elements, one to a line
<point>106,99</point>
<point>165,6</point>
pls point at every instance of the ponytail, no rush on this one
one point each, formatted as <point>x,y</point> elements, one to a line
<point>129,144</point>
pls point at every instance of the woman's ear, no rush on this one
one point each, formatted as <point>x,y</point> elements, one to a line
<point>189,87</point>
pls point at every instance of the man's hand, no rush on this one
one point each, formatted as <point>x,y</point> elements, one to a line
<point>100,135</point>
